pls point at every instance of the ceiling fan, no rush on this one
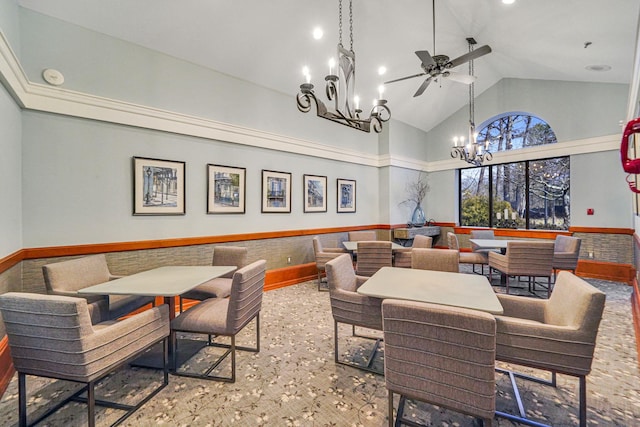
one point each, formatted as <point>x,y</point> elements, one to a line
<point>440,65</point>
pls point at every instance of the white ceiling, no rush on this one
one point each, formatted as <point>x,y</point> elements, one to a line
<point>268,42</point>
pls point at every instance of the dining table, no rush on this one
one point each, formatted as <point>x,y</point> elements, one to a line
<point>463,290</point>
<point>167,282</point>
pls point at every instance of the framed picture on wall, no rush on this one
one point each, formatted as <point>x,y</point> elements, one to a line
<point>226,189</point>
<point>158,187</point>
<point>276,192</point>
<point>315,193</point>
<point>346,195</point>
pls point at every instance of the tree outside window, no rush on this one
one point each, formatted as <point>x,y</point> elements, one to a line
<point>529,194</point>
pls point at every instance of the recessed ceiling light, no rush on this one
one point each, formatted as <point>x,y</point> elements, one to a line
<point>598,67</point>
<point>318,33</point>
<point>508,1</point>
<point>381,70</point>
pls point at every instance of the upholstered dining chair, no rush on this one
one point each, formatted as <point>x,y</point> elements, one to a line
<point>220,287</point>
<point>524,258</point>
<point>402,257</point>
<point>323,255</point>
<point>441,355</point>
<point>68,277</point>
<point>482,234</point>
<point>53,336</point>
<point>225,317</point>
<point>556,334</point>
<point>359,236</point>
<point>566,252</point>
<point>473,258</point>
<point>372,256</point>
<point>435,259</point>
<point>351,308</point>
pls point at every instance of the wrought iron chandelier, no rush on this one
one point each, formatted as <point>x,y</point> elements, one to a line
<point>340,88</point>
<point>472,151</point>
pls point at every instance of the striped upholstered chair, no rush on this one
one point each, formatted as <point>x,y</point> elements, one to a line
<point>556,334</point>
<point>402,257</point>
<point>68,277</point>
<point>530,259</point>
<point>351,308</point>
<point>53,336</point>
<point>566,252</point>
<point>473,258</point>
<point>226,317</point>
<point>441,355</point>
<point>220,287</point>
<point>372,256</point>
<point>435,259</point>
<point>323,255</point>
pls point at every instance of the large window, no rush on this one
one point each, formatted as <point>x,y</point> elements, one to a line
<point>529,194</point>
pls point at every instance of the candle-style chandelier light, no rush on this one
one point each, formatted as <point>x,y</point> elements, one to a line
<point>471,151</point>
<point>340,88</point>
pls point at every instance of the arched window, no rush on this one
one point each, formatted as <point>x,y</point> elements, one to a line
<point>530,194</point>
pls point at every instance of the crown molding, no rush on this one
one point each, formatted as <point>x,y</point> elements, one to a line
<point>58,100</point>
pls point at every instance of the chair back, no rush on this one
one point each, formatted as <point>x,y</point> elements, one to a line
<point>347,306</point>
<point>426,343</point>
<point>75,274</point>
<point>435,259</point>
<point>372,256</point>
<point>230,255</point>
<point>566,252</point>
<point>359,236</point>
<point>420,241</point>
<point>44,331</point>
<point>482,234</point>
<point>245,300</point>
<point>452,241</point>
<point>575,303</point>
<point>527,258</point>
<point>340,274</point>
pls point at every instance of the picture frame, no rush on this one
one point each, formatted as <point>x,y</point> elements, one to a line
<point>346,195</point>
<point>314,193</point>
<point>226,189</point>
<point>158,187</point>
<point>276,192</point>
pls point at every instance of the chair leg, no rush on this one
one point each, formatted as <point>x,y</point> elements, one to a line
<point>390,415</point>
<point>258,333</point>
<point>233,358</point>
<point>583,401</point>
<point>22,399</point>
<point>91,404</point>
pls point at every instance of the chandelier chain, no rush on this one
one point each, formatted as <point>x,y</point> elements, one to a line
<point>472,119</point>
<point>351,25</point>
<point>340,23</point>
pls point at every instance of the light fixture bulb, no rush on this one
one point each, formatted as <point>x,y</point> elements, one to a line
<point>356,101</point>
<point>305,71</point>
<point>380,91</point>
<point>382,70</point>
<point>317,33</point>
<point>508,1</point>
<point>332,63</point>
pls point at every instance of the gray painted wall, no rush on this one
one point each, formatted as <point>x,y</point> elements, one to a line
<point>10,175</point>
<point>78,184</point>
<point>101,65</point>
<point>574,110</point>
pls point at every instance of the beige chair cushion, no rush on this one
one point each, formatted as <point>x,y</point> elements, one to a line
<point>524,258</point>
<point>359,236</point>
<point>372,256</point>
<point>435,259</point>
<point>566,252</point>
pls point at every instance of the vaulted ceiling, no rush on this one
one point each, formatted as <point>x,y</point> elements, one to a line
<point>268,42</point>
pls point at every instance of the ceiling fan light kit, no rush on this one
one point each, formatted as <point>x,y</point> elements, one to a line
<point>348,111</point>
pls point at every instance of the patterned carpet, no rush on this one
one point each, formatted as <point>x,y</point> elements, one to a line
<point>294,381</point>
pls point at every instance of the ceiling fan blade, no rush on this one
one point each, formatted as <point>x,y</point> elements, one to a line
<point>423,86</point>
<point>405,78</point>
<point>426,58</point>
<point>461,78</point>
<point>475,54</point>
